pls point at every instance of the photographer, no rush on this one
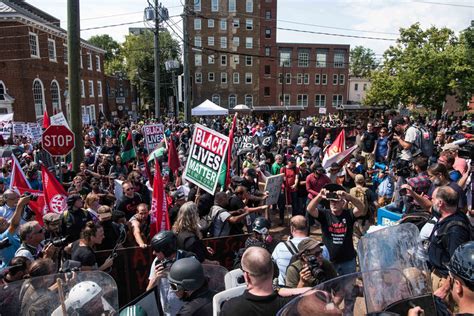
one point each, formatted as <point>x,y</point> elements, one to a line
<point>10,199</point>
<point>9,239</point>
<point>310,269</point>
<point>31,235</point>
<point>407,137</point>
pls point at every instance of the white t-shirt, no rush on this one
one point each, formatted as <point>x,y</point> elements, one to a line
<point>282,257</point>
<point>220,224</point>
<point>411,136</point>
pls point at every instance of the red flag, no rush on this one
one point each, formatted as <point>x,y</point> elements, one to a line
<point>39,206</point>
<point>173,159</point>
<point>338,146</point>
<point>229,151</point>
<point>18,179</point>
<point>54,193</point>
<point>159,206</point>
<point>46,120</point>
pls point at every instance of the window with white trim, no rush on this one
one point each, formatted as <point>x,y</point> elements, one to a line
<point>97,63</point>
<point>305,78</point>
<point>223,60</point>
<point>248,60</point>
<point>216,99</point>
<point>286,99</point>
<point>249,6</point>
<point>232,6</point>
<point>214,5</point>
<point>249,24</point>
<point>236,59</point>
<point>52,50</point>
<point>236,41</point>
<point>302,100</point>
<point>38,97</point>
<point>324,79</point>
<point>89,61</point>
<point>249,42</point>
<point>210,41</point>
<point>65,55</point>
<point>320,100</point>
<point>91,88</point>
<point>55,96</point>
<point>211,77</point>
<point>339,58</point>
<point>335,79</point>
<point>34,45</point>
<point>317,79</point>
<point>197,23</point>
<point>236,23</point>
<point>268,15</point>
<point>303,59</point>
<point>197,5</point>
<point>210,23</point>
<point>99,88</point>
<point>285,58</point>
<point>223,23</point>
<point>197,41</point>
<point>249,100</point>
<point>321,58</point>
<point>223,77</point>
<point>197,60</point>
<point>83,89</point>
<point>198,77</point>
<point>288,78</point>
<point>211,59</point>
<point>336,100</point>
<point>232,100</point>
<point>2,91</point>
<point>223,42</point>
<point>341,79</point>
<point>299,78</point>
<point>236,78</point>
<point>248,78</point>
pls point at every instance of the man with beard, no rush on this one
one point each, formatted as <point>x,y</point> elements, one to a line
<point>129,201</point>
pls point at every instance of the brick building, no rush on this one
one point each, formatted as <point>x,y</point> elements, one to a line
<point>33,65</point>
<point>235,59</point>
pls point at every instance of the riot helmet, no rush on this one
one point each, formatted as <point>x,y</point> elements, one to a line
<point>186,274</point>
<point>165,242</point>
<point>462,262</point>
<point>261,225</point>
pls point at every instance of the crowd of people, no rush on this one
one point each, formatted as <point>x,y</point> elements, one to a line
<point>402,164</point>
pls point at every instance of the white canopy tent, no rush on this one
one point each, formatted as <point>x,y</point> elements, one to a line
<point>241,108</point>
<point>208,108</point>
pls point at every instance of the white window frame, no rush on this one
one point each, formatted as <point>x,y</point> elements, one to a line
<point>337,102</point>
<point>65,54</point>
<point>210,41</point>
<point>214,5</point>
<point>91,88</point>
<point>235,23</point>
<point>299,78</point>
<point>335,79</point>
<point>198,41</point>
<point>210,23</point>
<point>83,89</point>
<point>223,60</point>
<point>268,15</point>
<point>288,78</point>
<point>339,59</point>
<point>39,108</point>
<point>197,24</point>
<point>249,24</point>
<point>58,105</point>
<point>89,61</point>
<point>356,87</point>
<point>236,59</point>
<point>342,79</point>
<point>285,58</point>
<point>52,42</point>
<point>97,63</point>
<point>236,41</point>
<point>80,56</point>
<point>302,100</point>
<point>224,78</point>
<point>268,51</point>
<point>232,96</point>
<point>198,77</point>
<point>223,42</point>
<point>232,6</point>
<point>248,97</point>
<point>198,60</point>
<point>303,59</point>
<point>320,61</point>
<point>322,97</point>
<point>34,37</point>
<point>99,89</point>
<point>248,78</point>
<point>268,31</point>
<point>286,99</point>
<point>209,76</point>
<point>3,91</point>
<point>249,42</point>
<point>324,79</point>
<point>306,78</point>
<point>197,5</point>
<point>216,98</point>
<point>317,79</point>
<point>236,78</point>
<point>223,24</point>
<point>211,59</point>
<point>249,6</point>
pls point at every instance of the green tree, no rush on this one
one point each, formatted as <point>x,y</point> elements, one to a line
<point>362,62</point>
<point>138,51</point>
<point>113,61</point>
<point>423,68</point>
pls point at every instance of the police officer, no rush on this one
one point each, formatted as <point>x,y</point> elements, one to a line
<point>187,280</point>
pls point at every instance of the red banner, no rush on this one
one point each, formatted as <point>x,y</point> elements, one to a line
<point>159,206</point>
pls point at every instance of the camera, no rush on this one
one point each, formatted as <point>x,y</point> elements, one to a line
<point>33,197</point>
<point>57,242</point>
<point>314,267</point>
<point>166,263</point>
<point>4,243</point>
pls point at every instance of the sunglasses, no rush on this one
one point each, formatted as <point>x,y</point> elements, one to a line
<point>129,189</point>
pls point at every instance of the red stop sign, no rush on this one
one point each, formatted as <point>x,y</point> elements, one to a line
<point>58,140</point>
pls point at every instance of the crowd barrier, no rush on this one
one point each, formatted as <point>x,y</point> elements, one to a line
<point>132,265</point>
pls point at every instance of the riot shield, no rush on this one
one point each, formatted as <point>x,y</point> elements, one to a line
<point>75,293</point>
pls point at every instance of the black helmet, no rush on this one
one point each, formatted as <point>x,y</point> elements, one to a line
<point>165,241</point>
<point>261,225</point>
<point>462,262</point>
<point>187,274</point>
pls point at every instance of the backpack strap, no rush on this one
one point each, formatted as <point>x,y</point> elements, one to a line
<point>444,231</point>
<point>223,224</point>
<point>291,247</point>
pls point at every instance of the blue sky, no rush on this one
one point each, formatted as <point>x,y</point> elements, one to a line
<point>363,18</point>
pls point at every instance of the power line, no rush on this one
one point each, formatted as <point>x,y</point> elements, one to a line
<point>445,4</point>
<point>339,35</point>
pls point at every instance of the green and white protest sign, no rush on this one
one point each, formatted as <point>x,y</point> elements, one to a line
<point>206,157</point>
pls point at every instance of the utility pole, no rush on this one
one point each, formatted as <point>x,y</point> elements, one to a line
<point>187,83</point>
<point>74,74</point>
<point>157,61</point>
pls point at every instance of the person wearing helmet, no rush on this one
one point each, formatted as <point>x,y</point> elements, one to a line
<point>261,234</point>
<point>460,283</point>
<point>187,280</point>
<point>166,252</point>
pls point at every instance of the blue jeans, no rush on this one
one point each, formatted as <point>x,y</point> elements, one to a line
<point>346,267</point>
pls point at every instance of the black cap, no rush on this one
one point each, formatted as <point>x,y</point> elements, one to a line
<point>398,120</point>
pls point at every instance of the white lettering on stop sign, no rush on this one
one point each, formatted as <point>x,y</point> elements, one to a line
<point>58,140</point>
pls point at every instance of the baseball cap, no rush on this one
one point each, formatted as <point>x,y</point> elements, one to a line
<point>308,244</point>
<point>451,146</point>
<point>179,194</point>
<point>302,162</point>
<point>398,120</point>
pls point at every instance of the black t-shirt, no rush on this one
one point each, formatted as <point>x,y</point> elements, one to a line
<point>369,142</point>
<point>129,205</point>
<point>302,187</point>
<point>111,235</point>
<point>337,234</point>
<point>188,241</point>
<point>84,254</point>
<point>249,304</point>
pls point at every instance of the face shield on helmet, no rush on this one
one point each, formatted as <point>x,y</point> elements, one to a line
<point>186,274</point>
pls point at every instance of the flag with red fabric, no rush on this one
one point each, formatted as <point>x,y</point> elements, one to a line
<point>54,194</point>
<point>338,146</point>
<point>173,159</point>
<point>159,219</point>
<point>229,151</point>
<point>18,178</point>
<point>46,120</point>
